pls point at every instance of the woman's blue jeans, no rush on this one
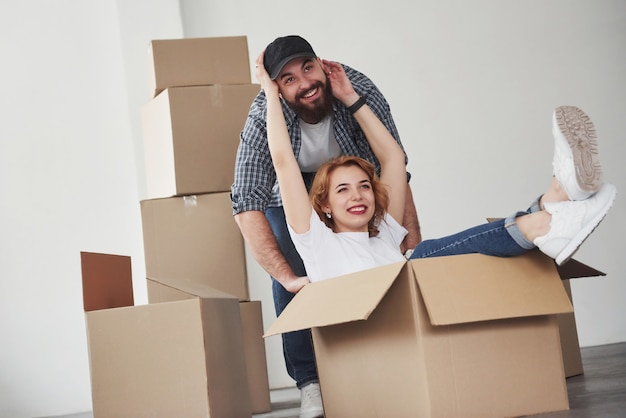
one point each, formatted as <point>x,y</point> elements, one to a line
<point>297,345</point>
<point>500,238</point>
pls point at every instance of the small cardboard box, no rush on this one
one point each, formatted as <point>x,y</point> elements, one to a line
<point>191,135</point>
<point>182,358</point>
<point>195,238</point>
<point>253,344</point>
<point>460,336</point>
<point>198,61</point>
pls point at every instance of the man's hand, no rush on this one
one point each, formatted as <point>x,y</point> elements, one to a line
<point>262,243</point>
<point>294,286</point>
<point>342,87</point>
<point>268,85</point>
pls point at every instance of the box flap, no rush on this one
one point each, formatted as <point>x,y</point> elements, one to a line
<point>575,269</point>
<point>347,298</point>
<point>475,287</point>
<point>107,281</point>
<point>193,288</point>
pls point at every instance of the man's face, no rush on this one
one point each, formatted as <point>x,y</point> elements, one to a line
<point>306,89</point>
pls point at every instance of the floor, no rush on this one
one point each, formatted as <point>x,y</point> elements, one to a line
<point>599,393</point>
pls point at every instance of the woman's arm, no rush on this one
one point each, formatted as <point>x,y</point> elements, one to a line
<point>389,153</point>
<point>292,188</point>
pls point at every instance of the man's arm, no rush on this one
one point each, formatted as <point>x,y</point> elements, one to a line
<point>411,223</point>
<point>258,235</point>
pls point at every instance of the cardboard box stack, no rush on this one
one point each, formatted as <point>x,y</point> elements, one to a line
<point>194,251</point>
<point>203,90</point>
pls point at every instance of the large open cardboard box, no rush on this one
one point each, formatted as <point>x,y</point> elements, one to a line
<point>174,359</point>
<point>198,61</point>
<point>461,336</point>
<point>190,137</point>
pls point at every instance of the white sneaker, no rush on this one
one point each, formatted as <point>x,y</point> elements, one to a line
<point>576,164</point>
<point>311,403</point>
<point>572,222</point>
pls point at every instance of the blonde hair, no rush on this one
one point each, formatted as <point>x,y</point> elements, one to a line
<point>321,186</point>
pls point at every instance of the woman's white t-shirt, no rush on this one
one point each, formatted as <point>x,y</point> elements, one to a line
<point>327,254</point>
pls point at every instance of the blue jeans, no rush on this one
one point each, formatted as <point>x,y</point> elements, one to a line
<point>499,238</point>
<point>297,345</point>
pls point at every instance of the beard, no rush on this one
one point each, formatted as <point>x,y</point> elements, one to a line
<point>321,107</point>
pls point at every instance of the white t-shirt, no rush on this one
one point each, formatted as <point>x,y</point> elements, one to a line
<point>327,254</point>
<point>318,144</point>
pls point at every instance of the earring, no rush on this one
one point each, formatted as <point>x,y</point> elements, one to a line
<point>328,215</point>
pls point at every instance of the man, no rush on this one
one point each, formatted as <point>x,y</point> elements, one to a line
<point>320,128</point>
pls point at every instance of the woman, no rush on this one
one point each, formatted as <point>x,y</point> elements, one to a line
<point>352,219</point>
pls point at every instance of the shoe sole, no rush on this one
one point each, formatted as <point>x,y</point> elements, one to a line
<point>578,133</point>
<point>577,241</point>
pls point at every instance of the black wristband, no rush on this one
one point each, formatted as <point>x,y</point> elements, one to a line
<point>357,105</point>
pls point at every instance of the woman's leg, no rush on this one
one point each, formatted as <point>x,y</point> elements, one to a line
<point>500,238</point>
<point>557,230</point>
<point>564,216</point>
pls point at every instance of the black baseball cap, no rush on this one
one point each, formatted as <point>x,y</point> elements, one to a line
<point>284,49</point>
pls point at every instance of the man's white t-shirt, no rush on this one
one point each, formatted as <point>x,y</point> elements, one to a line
<point>318,144</point>
<point>327,254</point>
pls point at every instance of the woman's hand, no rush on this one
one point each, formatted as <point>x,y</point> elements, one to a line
<point>342,87</point>
<point>270,87</point>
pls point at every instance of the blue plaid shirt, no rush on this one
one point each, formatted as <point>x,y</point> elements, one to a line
<point>255,186</point>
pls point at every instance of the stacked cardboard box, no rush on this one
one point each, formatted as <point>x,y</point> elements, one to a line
<point>194,251</point>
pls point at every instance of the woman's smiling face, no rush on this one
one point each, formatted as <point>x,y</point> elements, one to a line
<point>350,199</point>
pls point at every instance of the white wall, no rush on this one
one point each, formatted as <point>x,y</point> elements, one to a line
<point>472,88</point>
<point>73,77</point>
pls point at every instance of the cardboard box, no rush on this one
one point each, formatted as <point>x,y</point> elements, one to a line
<point>460,336</point>
<point>195,238</point>
<point>256,359</point>
<point>191,135</point>
<point>572,357</point>
<point>253,344</point>
<point>198,61</point>
<point>180,358</point>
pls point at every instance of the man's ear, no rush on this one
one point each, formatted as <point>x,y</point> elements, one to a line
<point>319,60</point>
